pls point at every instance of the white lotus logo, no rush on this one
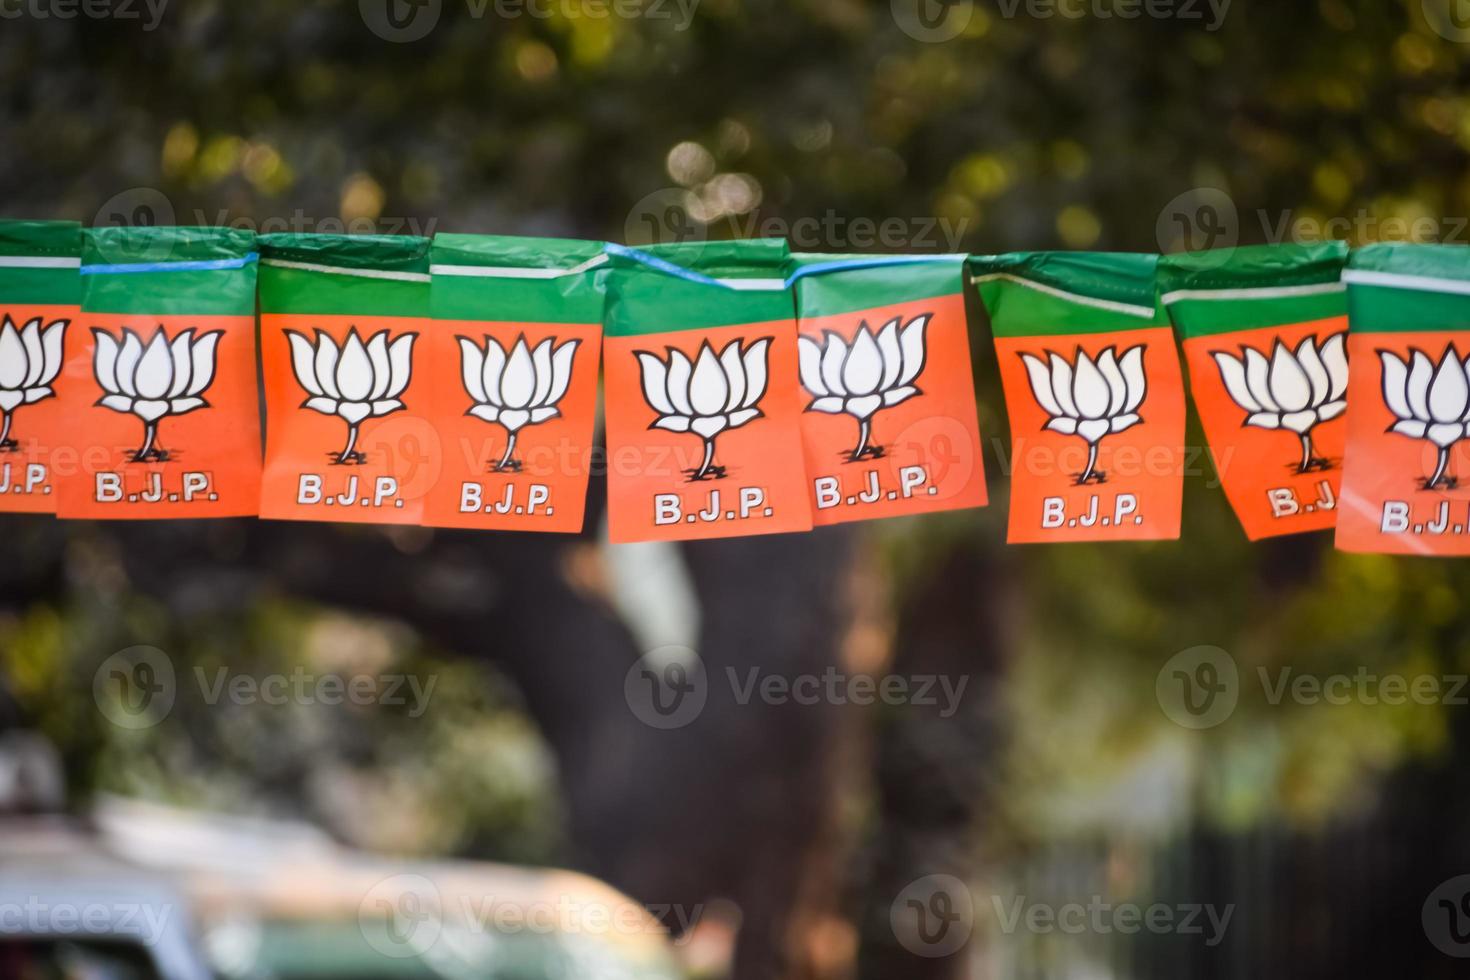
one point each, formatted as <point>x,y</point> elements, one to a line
<point>1430,401</point>
<point>154,380</point>
<point>355,381</point>
<point>518,389</point>
<point>708,396</point>
<point>1295,391</point>
<point>30,359</point>
<point>1090,398</point>
<point>862,378</point>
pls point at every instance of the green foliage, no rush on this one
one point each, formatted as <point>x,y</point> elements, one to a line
<point>1020,133</point>
<point>285,709</point>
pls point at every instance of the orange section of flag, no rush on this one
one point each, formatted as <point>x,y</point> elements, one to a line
<point>35,417</point>
<point>704,435</point>
<point>1097,426</point>
<point>1406,475</point>
<point>163,418</point>
<point>348,436</point>
<point>1272,403</point>
<point>514,405</point>
<point>890,426</point>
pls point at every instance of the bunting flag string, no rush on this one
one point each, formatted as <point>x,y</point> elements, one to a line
<point>1265,336</point>
<point>1408,401</point>
<point>516,339</point>
<point>1095,397</point>
<point>150,373</point>
<point>342,322</point>
<point>702,394</point>
<point>890,426</point>
<point>40,301</point>
<point>159,387</point>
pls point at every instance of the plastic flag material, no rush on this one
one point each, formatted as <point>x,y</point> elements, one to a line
<point>513,358</point>
<point>160,386</point>
<point>40,293</point>
<point>1265,336</point>
<point>747,390</point>
<point>703,396</point>
<point>1406,474</point>
<point>890,425</point>
<point>347,433</point>
<point>1095,395</point>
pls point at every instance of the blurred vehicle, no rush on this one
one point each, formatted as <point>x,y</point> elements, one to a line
<point>70,907</point>
<point>145,891</point>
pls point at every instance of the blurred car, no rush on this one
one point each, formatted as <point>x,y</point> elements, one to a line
<point>145,891</point>
<point>71,908</point>
<point>282,900</point>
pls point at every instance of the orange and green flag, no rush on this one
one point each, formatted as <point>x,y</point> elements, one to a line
<point>1406,471</point>
<point>512,365</point>
<point>890,425</point>
<point>40,297</point>
<point>703,398</point>
<point>1265,337</point>
<point>159,389</point>
<point>1094,393</point>
<point>348,436</point>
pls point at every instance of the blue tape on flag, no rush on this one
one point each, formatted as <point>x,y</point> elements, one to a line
<point>663,265</point>
<point>213,265</point>
<point>850,265</point>
<point>837,265</point>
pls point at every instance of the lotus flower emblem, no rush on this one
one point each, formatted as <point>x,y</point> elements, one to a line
<point>1089,397</point>
<point>1293,390</point>
<point>1430,402</point>
<point>516,389</point>
<point>707,396</point>
<point>154,380</point>
<point>866,376</point>
<point>30,360</point>
<point>354,381</point>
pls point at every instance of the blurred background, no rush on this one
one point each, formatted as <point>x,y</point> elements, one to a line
<point>1045,800</point>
